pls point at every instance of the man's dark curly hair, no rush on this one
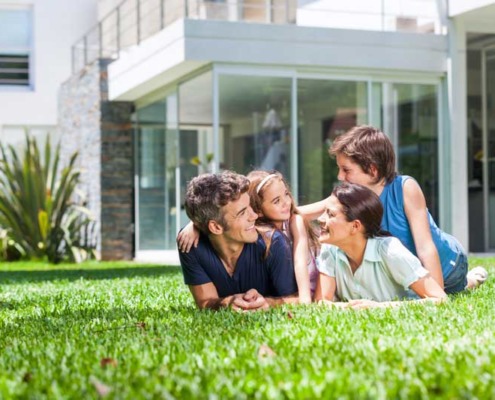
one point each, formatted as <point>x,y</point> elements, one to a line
<point>208,193</point>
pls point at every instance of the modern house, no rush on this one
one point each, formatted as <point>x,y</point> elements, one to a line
<point>162,90</point>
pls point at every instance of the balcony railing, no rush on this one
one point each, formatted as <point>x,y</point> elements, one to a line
<point>136,20</point>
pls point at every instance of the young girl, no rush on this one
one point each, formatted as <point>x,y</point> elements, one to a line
<point>271,199</point>
<point>365,267</point>
<point>274,204</point>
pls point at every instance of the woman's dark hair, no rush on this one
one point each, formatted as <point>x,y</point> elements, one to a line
<point>359,202</point>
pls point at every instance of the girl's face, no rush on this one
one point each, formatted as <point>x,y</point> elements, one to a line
<point>351,172</point>
<point>277,202</point>
<point>333,223</point>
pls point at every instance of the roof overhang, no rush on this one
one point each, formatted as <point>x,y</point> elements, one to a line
<point>188,45</point>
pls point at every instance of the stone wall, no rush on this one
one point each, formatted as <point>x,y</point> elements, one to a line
<point>101,131</point>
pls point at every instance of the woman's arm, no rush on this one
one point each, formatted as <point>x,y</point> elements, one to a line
<point>301,254</point>
<point>426,287</point>
<point>417,216</point>
<point>313,210</point>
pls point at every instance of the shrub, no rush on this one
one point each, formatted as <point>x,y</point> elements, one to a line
<point>39,211</point>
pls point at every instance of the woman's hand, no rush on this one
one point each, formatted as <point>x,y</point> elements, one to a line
<point>363,304</point>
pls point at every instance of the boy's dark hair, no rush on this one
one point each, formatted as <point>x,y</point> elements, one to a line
<point>208,193</point>
<point>367,146</point>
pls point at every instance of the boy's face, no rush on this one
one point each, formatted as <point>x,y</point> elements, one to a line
<point>351,172</point>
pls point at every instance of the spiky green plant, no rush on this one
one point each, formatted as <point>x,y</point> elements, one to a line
<point>39,209</point>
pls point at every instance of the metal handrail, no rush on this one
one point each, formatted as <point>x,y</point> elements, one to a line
<point>133,21</point>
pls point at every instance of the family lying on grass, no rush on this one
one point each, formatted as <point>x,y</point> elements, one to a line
<point>248,247</point>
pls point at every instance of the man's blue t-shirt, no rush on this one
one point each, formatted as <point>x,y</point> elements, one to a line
<point>272,276</point>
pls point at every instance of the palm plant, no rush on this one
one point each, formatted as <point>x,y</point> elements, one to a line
<point>39,210</point>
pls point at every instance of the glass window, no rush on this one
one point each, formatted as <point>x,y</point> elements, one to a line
<point>156,163</point>
<point>326,109</point>
<point>15,45</point>
<point>195,133</point>
<point>416,118</point>
<point>255,123</point>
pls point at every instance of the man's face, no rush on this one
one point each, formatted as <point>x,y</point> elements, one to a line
<point>239,218</point>
<point>351,172</point>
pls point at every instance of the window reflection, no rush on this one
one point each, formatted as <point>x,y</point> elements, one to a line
<point>255,123</point>
<point>326,109</point>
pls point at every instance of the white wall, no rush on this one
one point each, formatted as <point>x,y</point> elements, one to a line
<point>421,15</point>
<point>457,7</point>
<point>106,6</point>
<point>57,25</point>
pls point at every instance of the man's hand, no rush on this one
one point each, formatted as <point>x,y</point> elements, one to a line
<point>249,301</point>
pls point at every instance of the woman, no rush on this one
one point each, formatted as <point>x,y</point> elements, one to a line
<point>365,266</point>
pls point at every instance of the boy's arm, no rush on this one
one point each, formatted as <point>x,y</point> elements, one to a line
<point>417,216</point>
<point>312,211</point>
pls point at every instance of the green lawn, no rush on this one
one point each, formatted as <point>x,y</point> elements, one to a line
<point>132,331</point>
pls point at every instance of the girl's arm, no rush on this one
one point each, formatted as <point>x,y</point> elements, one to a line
<point>313,210</point>
<point>417,216</point>
<point>325,288</point>
<point>301,255</point>
<point>188,237</point>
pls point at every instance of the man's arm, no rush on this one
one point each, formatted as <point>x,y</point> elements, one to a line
<point>206,297</point>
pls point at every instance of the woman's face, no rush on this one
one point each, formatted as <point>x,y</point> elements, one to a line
<point>277,202</point>
<point>333,223</point>
<point>351,172</point>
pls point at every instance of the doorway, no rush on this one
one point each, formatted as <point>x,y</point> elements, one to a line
<point>481,143</point>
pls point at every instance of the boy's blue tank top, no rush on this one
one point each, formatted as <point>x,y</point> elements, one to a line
<point>395,221</point>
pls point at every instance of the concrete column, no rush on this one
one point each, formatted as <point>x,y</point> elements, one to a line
<point>457,110</point>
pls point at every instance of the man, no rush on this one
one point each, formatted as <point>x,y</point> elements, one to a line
<point>230,266</point>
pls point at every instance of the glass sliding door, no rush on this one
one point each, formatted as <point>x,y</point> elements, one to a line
<point>195,134</point>
<point>326,109</point>
<point>414,125</point>
<point>488,153</point>
<point>255,123</point>
<point>156,148</point>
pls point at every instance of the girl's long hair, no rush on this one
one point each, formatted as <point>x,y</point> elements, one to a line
<point>265,226</point>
